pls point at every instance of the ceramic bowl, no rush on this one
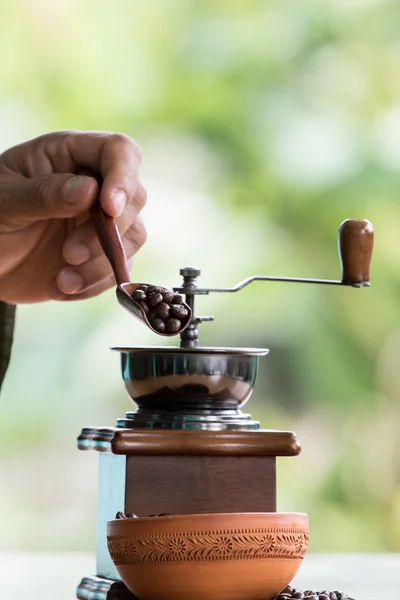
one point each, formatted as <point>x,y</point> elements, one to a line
<point>238,556</point>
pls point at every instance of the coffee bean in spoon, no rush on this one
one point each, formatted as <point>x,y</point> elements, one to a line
<point>179,311</point>
<point>168,296</point>
<point>163,311</point>
<point>154,299</point>
<point>158,325</point>
<point>139,295</point>
<point>173,325</point>
<point>151,315</point>
<point>144,306</point>
<point>153,289</point>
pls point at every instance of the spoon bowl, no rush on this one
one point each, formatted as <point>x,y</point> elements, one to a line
<point>110,240</point>
<point>124,291</point>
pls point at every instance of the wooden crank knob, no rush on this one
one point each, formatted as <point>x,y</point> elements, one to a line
<point>356,241</point>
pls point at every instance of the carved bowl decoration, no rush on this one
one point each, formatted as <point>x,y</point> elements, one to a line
<point>241,556</point>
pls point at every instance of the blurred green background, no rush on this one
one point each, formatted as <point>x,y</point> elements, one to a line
<point>263,125</point>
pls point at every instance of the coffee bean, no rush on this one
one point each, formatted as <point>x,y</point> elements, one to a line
<point>153,289</point>
<point>144,306</point>
<point>158,325</point>
<point>168,296</point>
<point>139,295</point>
<point>154,299</point>
<point>161,304</point>
<point>173,325</point>
<point>152,314</point>
<point>290,593</point>
<point>121,515</point>
<point>162,311</point>
<point>179,311</point>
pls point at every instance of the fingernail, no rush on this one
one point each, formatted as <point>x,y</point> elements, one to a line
<point>120,199</point>
<point>69,281</point>
<point>54,291</point>
<point>77,254</point>
<point>72,187</point>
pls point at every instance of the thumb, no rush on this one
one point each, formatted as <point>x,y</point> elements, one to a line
<point>26,200</point>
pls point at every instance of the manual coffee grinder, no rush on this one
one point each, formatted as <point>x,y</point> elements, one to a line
<point>189,448</point>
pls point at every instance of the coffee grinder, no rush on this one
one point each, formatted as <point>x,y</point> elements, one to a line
<point>189,448</point>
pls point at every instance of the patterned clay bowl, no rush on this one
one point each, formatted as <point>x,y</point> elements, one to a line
<point>237,556</point>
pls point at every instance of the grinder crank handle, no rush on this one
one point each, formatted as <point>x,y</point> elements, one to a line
<point>356,242</point>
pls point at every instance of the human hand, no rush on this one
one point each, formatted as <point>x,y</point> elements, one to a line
<point>48,247</point>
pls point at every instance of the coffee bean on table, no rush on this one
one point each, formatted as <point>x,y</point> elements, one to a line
<point>179,311</point>
<point>163,311</point>
<point>173,325</point>
<point>158,324</point>
<point>154,299</point>
<point>288,593</point>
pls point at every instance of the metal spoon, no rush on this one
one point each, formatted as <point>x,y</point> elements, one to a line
<point>110,240</point>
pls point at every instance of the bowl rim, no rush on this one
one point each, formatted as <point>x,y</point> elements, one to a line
<point>301,515</point>
<point>198,350</point>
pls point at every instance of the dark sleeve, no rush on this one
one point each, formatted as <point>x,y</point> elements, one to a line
<point>7,318</point>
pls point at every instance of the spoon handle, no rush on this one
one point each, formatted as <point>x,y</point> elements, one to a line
<point>110,240</point>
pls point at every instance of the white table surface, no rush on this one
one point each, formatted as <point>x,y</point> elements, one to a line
<point>368,576</point>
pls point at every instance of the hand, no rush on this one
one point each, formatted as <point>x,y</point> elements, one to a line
<point>48,247</point>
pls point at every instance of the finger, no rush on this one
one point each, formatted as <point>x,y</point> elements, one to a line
<point>83,243</point>
<point>77,280</point>
<point>117,158</point>
<point>27,200</point>
<point>95,290</point>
